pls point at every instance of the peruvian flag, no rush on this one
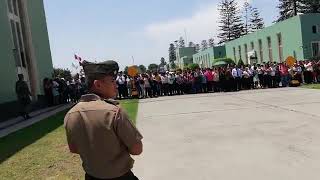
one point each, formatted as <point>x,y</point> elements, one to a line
<point>78,58</point>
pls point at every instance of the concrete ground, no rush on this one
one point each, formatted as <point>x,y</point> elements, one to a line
<point>250,135</point>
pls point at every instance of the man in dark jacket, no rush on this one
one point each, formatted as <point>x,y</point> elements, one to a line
<point>23,95</point>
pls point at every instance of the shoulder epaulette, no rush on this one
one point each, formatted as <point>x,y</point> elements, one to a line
<point>112,101</point>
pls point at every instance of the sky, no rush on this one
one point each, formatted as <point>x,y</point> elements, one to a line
<point>126,30</point>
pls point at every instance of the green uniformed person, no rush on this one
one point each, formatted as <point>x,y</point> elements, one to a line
<point>99,130</point>
<point>23,95</point>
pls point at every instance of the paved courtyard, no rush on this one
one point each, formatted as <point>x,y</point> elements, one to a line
<point>250,135</point>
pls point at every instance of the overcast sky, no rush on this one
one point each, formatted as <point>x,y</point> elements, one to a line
<point>99,30</point>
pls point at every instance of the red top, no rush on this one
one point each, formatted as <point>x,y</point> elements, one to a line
<point>283,69</point>
<point>209,75</point>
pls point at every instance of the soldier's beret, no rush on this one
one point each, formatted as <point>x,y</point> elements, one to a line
<point>110,68</point>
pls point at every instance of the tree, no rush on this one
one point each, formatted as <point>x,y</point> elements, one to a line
<point>62,73</point>
<point>240,62</point>
<point>172,53</point>
<point>193,66</point>
<point>181,43</point>
<point>173,66</point>
<point>197,46</point>
<point>204,44</point>
<point>225,60</point>
<point>256,21</point>
<point>252,19</point>
<point>310,6</point>
<point>191,44</point>
<point>246,15</point>
<point>289,8</point>
<point>231,24</point>
<point>211,42</point>
<point>176,45</point>
<point>126,70</point>
<point>153,67</point>
<point>163,62</point>
<point>142,69</point>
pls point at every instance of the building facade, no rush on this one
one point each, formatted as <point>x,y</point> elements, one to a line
<point>24,48</point>
<point>205,58</point>
<point>298,36</point>
<point>184,56</point>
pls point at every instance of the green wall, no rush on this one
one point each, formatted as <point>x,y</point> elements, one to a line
<point>187,51</point>
<point>7,63</point>
<point>40,40</point>
<point>291,39</point>
<point>184,56</point>
<point>219,52</point>
<point>307,21</point>
<point>205,57</point>
<point>208,55</point>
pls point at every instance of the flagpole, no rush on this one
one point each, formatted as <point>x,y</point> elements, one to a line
<point>132,60</point>
<point>185,34</point>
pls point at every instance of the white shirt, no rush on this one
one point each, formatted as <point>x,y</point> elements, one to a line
<point>309,67</point>
<point>234,72</point>
<point>272,71</point>
<point>164,79</point>
<point>246,74</point>
<point>171,79</point>
<point>120,79</point>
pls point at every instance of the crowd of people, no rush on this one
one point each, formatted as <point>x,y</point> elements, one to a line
<point>218,79</point>
<point>59,91</point>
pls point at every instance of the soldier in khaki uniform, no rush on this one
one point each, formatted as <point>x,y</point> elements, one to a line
<point>99,130</point>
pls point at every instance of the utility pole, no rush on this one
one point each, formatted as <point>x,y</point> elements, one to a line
<point>185,34</point>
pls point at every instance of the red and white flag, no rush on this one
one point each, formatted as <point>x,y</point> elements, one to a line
<point>78,58</point>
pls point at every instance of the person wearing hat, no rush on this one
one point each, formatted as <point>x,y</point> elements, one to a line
<point>99,130</point>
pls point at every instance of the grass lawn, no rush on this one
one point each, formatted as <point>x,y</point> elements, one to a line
<point>41,152</point>
<point>311,86</point>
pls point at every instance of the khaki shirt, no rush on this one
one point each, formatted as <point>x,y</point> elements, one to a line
<point>102,134</point>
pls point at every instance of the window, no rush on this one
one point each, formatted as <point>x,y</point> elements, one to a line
<point>314,29</point>
<point>315,49</point>
<point>246,52</point>
<point>279,37</point>
<point>240,57</point>
<point>10,6</point>
<point>21,52</point>
<point>260,50</point>
<point>234,54</point>
<point>270,49</point>
<point>252,45</point>
<point>15,43</point>
<point>15,7</point>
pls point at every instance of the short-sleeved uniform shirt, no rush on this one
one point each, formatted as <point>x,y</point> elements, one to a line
<point>101,133</point>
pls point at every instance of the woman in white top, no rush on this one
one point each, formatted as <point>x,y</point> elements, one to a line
<point>255,77</point>
<point>272,72</point>
<point>246,78</point>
